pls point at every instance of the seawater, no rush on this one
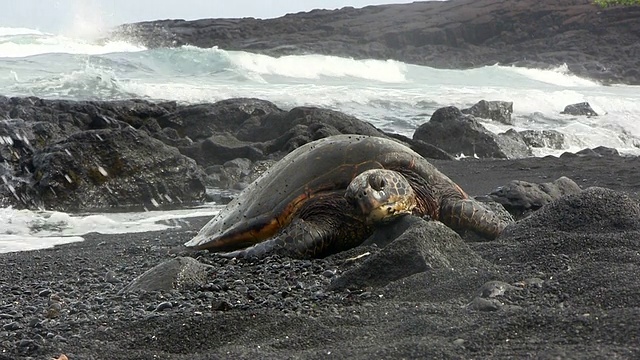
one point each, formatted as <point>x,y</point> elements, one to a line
<point>392,95</point>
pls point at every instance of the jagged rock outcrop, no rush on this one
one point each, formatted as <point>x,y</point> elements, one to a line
<point>499,111</point>
<point>457,133</point>
<point>594,42</point>
<point>111,168</point>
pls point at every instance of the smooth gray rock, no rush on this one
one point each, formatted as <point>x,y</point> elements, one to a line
<point>179,273</point>
<point>521,198</point>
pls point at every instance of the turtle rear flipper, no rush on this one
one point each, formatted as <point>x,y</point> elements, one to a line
<point>305,239</point>
<point>469,214</point>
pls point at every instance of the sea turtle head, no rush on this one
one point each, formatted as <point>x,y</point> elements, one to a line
<point>381,195</point>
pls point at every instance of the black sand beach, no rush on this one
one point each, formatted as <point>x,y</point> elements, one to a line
<point>560,284</point>
<point>558,292</point>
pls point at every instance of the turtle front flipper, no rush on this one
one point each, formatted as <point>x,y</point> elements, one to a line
<point>469,214</point>
<point>304,239</point>
<point>301,239</point>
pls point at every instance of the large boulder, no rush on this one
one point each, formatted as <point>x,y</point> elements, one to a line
<point>222,147</point>
<point>286,131</point>
<point>261,132</point>
<point>200,121</point>
<point>499,111</point>
<point>411,245</point>
<point>112,168</point>
<point>521,198</point>
<point>457,133</point>
<point>425,150</point>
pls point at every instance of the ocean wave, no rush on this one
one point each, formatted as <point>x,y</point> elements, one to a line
<point>88,83</point>
<point>19,43</point>
<point>560,76</point>
<point>311,67</point>
<point>10,31</point>
<point>390,94</point>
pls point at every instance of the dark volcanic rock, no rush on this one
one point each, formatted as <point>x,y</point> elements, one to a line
<point>288,131</point>
<point>201,121</point>
<point>499,111</point>
<point>592,41</point>
<point>599,151</point>
<point>113,168</point>
<point>222,147</point>
<point>421,246</point>
<point>583,108</point>
<point>425,150</point>
<point>255,129</point>
<point>457,133</point>
<point>521,197</point>
<point>544,139</point>
<point>236,174</point>
<point>55,153</point>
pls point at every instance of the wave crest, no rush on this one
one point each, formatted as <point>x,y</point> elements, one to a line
<point>317,66</point>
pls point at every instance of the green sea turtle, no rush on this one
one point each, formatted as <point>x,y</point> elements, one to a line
<point>328,195</point>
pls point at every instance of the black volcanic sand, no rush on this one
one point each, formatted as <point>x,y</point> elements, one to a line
<point>569,275</point>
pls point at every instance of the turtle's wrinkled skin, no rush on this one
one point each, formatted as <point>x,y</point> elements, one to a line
<point>328,196</point>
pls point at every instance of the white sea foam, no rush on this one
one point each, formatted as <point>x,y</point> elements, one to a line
<point>10,31</point>
<point>20,42</point>
<point>316,66</point>
<point>560,76</point>
<point>61,44</point>
<point>27,230</point>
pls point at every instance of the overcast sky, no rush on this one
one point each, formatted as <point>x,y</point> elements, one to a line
<point>60,16</point>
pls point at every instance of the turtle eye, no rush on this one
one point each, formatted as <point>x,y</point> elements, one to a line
<point>377,182</point>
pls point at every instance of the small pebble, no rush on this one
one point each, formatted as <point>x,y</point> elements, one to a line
<point>26,343</point>
<point>110,277</point>
<point>329,273</point>
<point>164,306</point>
<point>12,326</point>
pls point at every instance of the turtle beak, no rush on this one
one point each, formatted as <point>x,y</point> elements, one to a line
<point>368,200</point>
<point>359,194</point>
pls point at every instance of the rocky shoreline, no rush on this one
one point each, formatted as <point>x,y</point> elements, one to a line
<point>136,154</point>
<point>593,42</point>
